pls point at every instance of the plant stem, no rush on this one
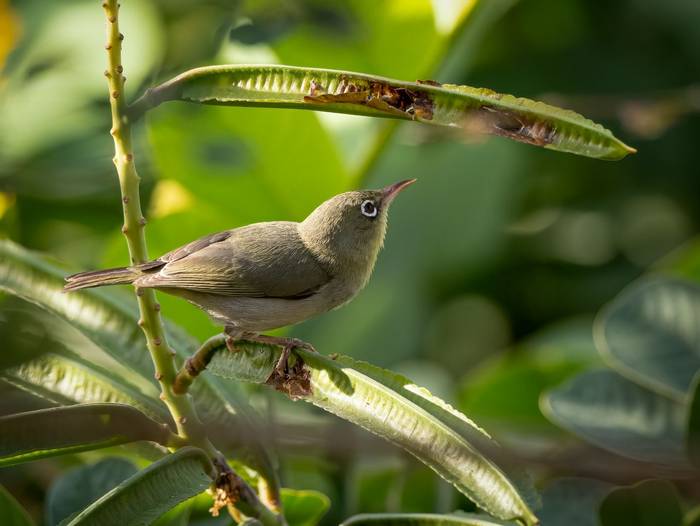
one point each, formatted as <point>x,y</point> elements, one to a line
<point>190,429</point>
<point>196,364</point>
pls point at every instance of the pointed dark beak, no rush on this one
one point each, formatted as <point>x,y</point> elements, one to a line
<point>389,192</point>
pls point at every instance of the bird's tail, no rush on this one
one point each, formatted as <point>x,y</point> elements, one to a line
<point>99,278</point>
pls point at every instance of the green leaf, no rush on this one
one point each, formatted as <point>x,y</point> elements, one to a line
<point>611,412</point>
<point>405,417</point>
<point>648,503</point>
<point>148,494</point>
<point>65,379</point>
<point>11,512</point>
<point>80,487</point>
<point>651,333</point>
<point>472,109</point>
<point>423,519</point>
<point>63,430</point>
<point>109,320</point>
<point>304,507</point>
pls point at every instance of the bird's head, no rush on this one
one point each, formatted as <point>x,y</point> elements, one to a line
<point>349,228</point>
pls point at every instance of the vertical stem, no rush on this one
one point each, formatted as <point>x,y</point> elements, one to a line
<point>181,407</point>
<point>133,229</point>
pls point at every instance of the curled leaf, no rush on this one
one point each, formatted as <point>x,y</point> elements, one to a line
<point>474,110</point>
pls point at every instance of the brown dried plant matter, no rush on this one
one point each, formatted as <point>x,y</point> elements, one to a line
<point>374,94</point>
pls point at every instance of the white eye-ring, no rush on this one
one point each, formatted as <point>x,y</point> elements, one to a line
<point>368,208</point>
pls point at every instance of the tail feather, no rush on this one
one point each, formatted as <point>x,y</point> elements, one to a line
<point>98,278</point>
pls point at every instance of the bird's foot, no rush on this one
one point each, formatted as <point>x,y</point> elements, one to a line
<point>231,336</point>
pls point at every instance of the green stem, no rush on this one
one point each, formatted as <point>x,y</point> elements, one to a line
<point>196,364</point>
<point>189,428</point>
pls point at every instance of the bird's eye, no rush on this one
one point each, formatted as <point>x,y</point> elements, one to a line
<point>368,208</point>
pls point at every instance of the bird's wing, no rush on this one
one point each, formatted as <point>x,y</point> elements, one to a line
<point>261,260</point>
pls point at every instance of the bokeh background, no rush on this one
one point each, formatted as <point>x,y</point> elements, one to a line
<point>495,262</point>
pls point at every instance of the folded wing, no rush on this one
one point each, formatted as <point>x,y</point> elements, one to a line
<point>260,260</point>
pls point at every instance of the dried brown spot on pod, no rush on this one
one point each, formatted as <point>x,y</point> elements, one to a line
<point>516,126</point>
<point>115,94</point>
<point>157,341</point>
<point>295,382</point>
<point>125,199</point>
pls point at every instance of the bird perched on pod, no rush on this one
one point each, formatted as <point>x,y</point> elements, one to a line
<point>269,275</point>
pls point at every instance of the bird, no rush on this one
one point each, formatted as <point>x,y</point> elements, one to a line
<point>269,275</point>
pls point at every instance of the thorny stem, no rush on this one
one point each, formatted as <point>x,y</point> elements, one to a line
<point>189,428</point>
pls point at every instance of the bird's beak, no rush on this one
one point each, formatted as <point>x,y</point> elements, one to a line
<point>389,192</point>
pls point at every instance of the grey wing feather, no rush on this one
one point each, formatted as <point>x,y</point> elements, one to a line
<point>261,260</point>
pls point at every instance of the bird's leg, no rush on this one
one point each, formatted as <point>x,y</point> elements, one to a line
<point>232,334</point>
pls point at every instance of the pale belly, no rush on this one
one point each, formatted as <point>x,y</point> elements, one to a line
<point>262,314</point>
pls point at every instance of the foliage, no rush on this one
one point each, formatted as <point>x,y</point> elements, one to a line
<point>485,292</point>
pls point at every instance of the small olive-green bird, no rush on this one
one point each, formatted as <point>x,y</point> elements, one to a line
<point>269,275</point>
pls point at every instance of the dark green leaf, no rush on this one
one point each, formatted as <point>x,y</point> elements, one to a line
<point>304,507</point>
<point>148,494</point>
<point>80,487</point>
<point>63,430</point>
<point>476,110</point>
<point>423,519</point>
<point>570,501</point>
<point>692,437</point>
<point>11,512</point>
<point>651,333</point>
<point>649,503</point>
<point>611,412</point>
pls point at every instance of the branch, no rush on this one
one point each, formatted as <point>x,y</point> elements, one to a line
<point>189,427</point>
<point>196,364</point>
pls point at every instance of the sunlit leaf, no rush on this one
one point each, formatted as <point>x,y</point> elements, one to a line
<point>304,507</point>
<point>651,332</point>
<point>61,430</point>
<point>11,512</point>
<point>148,494</point>
<point>404,418</point>
<point>78,488</point>
<point>611,412</point>
<point>476,110</point>
<point>65,378</point>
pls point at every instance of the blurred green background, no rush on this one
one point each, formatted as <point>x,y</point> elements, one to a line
<point>495,262</point>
